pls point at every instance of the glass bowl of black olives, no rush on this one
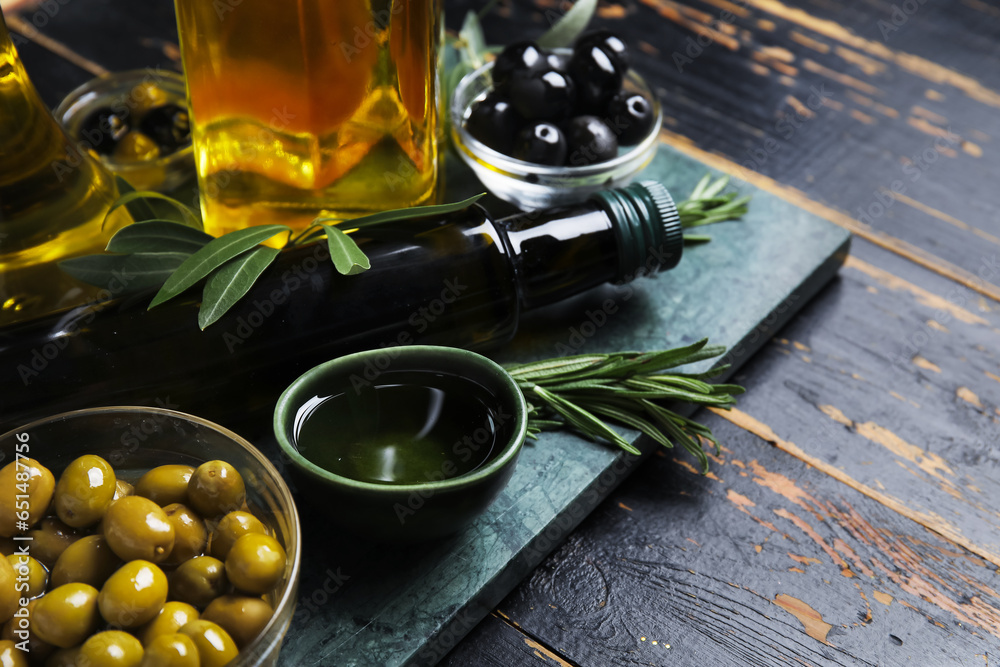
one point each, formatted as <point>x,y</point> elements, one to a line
<point>136,123</point>
<point>550,127</point>
<point>149,532</point>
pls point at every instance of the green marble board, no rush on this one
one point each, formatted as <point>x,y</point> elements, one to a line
<point>363,604</point>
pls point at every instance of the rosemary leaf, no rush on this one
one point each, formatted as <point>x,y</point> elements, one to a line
<point>629,419</point>
<point>551,367</point>
<point>584,420</point>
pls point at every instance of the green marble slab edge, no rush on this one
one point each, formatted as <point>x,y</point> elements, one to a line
<point>369,605</point>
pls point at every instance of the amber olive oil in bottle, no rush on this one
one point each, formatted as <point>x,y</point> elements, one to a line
<point>53,200</point>
<point>461,279</point>
<point>315,106</point>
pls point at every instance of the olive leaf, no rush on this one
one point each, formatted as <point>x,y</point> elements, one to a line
<point>158,236</point>
<point>213,255</point>
<point>138,208</point>
<point>570,26</point>
<point>133,272</point>
<point>231,281</point>
<point>473,41</point>
<point>347,257</point>
<point>139,204</point>
<point>398,214</point>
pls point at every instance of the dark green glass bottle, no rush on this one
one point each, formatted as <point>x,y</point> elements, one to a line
<point>462,279</point>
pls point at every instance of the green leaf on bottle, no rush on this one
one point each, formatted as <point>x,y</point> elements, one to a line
<point>231,281</point>
<point>348,258</point>
<point>158,236</point>
<point>398,214</point>
<point>124,273</point>
<point>212,256</point>
<point>572,24</point>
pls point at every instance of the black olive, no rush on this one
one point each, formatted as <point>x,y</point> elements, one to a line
<point>168,125</point>
<point>588,141</point>
<point>494,122</point>
<point>103,129</point>
<point>517,58</point>
<point>597,76</point>
<point>544,95</point>
<point>610,43</point>
<point>541,143</point>
<point>632,115</point>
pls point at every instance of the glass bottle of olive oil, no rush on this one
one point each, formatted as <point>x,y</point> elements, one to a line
<point>53,200</point>
<point>461,279</point>
<point>312,106</point>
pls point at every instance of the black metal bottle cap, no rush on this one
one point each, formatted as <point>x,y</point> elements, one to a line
<point>647,225</point>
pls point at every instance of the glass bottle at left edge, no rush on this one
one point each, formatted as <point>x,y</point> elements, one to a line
<point>53,201</point>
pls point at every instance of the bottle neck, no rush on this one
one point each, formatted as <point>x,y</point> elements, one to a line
<point>560,252</point>
<point>615,236</point>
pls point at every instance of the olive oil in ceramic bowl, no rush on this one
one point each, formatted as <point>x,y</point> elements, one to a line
<point>403,444</point>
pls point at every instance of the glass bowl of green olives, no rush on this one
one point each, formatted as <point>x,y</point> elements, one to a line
<point>145,533</point>
<point>546,128</point>
<point>136,123</point>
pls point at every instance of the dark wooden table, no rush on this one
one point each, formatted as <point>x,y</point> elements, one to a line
<point>853,517</point>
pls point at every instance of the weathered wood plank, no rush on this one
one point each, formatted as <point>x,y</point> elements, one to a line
<point>889,378</point>
<point>766,561</point>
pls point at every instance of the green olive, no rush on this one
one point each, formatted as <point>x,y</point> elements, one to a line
<point>242,617</point>
<point>137,528</point>
<point>9,599</point>
<point>50,539</point>
<point>133,595</point>
<point>256,563</point>
<point>111,648</point>
<point>216,488</point>
<point>32,577</point>
<point>174,650</point>
<point>66,615</point>
<point>165,485</point>
<point>27,488</point>
<point>172,617</point>
<point>199,581</point>
<point>89,560</point>
<point>123,488</point>
<point>16,628</point>
<point>11,655</point>
<point>215,646</point>
<point>64,657</point>
<point>84,491</point>
<point>190,534</point>
<point>232,527</point>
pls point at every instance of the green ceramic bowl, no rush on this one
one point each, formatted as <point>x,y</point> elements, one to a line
<point>403,444</point>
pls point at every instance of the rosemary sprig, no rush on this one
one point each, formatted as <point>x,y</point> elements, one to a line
<point>707,204</point>
<point>631,389</point>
